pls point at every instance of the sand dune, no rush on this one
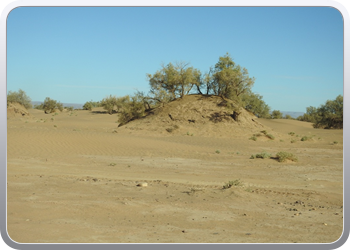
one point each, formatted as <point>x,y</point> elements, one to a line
<point>72,177</point>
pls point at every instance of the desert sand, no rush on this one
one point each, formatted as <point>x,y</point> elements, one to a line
<point>76,177</point>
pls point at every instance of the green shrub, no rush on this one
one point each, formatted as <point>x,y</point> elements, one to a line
<point>19,97</point>
<point>50,106</point>
<point>217,151</point>
<point>90,105</point>
<point>306,138</point>
<point>108,103</point>
<point>263,155</point>
<point>69,108</point>
<point>133,108</point>
<point>276,114</point>
<point>291,133</point>
<point>293,141</point>
<point>283,156</point>
<point>253,138</point>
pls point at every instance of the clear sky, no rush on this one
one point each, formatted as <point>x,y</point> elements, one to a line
<point>78,54</point>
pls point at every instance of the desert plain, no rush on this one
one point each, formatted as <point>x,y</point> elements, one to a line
<point>76,177</point>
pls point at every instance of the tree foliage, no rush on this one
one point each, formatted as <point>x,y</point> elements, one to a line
<point>49,105</point>
<point>230,80</point>
<point>132,108</point>
<point>328,115</point>
<point>108,103</point>
<point>172,81</point>
<point>255,104</point>
<point>276,114</point>
<point>20,97</point>
<point>90,105</point>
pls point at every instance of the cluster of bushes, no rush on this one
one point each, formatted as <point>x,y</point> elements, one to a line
<point>280,156</point>
<point>328,115</point>
<point>19,97</point>
<point>50,106</point>
<point>225,79</point>
<point>90,105</point>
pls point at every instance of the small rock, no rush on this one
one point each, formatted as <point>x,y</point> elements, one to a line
<point>325,224</point>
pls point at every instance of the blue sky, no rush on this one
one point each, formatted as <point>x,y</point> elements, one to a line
<point>78,54</point>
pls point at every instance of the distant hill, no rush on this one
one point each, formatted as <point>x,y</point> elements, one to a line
<point>292,113</point>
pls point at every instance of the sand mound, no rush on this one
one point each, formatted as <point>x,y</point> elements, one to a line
<point>16,110</point>
<point>197,114</point>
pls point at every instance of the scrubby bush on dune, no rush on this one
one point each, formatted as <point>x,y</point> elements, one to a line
<point>283,156</point>
<point>50,105</point>
<point>132,108</point>
<point>276,114</point>
<point>90,105</point>
<point>108,103</point>
<point>19,97</point>
<point>329,115</point>
<point>262,155</point>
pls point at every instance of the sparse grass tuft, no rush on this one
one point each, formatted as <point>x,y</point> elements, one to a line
<point>253,138</point>
<point>291,133</point>
<point>232,183</point>
<point>264,132</point>
<point>293,141</point>
<point>306,138</point>
<point>270,136</point>
<point>112,164</point>
<point>283,156</point>
<point>335,142</point>
<point>217,151</point>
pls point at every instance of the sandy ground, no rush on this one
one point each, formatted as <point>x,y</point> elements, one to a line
<point>72,177</point>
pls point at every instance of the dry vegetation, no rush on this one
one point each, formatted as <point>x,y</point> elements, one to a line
<point>182,173</point>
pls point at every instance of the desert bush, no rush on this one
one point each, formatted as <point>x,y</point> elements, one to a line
<point>276,114</point>
<point>262,155</point>
<point>283,156</point>
<point>217,151</point>
<point>69,108</point>
<point>288,117</point>
<point>264,132</point>
<point>50,105</point>
<point>254,138</point>
<point>90,105</point>
<point>133,108</point>
<point>255,104</point>
<point>291,133</point>
<point>329,115</point>
<point>87,106</point>
<point>293,141</point>
<point>232,183</point>
<point>19,97</point>
<point>108,103</point>
<point>306,138</point>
